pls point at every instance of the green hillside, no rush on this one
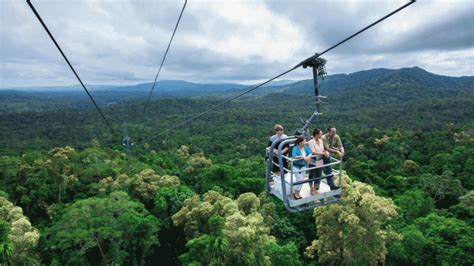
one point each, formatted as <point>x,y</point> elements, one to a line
<point>195,195</point>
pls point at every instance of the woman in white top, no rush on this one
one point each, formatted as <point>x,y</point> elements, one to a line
<point>317,147</point>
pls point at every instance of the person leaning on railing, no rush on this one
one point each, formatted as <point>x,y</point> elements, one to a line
<point>301,155</point>
<point>317,147</point>
<point>332,144</point>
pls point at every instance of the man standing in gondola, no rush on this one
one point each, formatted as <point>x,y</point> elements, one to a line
<point>333,144</point>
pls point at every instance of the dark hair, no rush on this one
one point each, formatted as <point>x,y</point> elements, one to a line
<point>329,128</point>
<point>299,140</point>
<point>316,131</point>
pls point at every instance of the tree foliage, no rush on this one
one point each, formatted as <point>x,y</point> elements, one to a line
<point>111,230</point>
<point>235,228</point>
<point>18,237</point>
<point>405,141</point>
<point>356,230</point>
<point>435,240</point>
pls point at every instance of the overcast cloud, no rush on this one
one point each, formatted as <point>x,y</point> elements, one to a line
<point>122,41</point>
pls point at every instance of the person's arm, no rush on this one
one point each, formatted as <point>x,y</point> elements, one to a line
<point>326,144</point>
<point>270,142</point>
<point>325,152</point>
<point>333,150</point>
<point>312,147</point>
<point>295,152</point>
<point>285,148</point>
<point>314,151</point>
<point>309,152</point>
<point>341,147</point>
<point>328,148</point>
<point>275,150</point>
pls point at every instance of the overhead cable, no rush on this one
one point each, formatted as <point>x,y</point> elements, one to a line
<point>72,68</point>
<point>284,73</point>
<point>163,59</point>
<point>218,105</point>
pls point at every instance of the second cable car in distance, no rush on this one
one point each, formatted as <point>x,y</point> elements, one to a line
<point>280,183</point>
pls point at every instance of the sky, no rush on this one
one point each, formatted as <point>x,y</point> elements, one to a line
<point>122,42</point>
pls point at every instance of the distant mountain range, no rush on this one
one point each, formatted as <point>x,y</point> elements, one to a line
<point>397,84</point>
<point>161,86</point>
<point>382,77</point>
<point>377,88</point>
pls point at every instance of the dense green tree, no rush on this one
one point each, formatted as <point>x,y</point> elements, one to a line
<point>59,167</point>
<point>468,172</point>
<point>411,168</point>
<point>435,240</point>
<point>363,170</point>
<point>142,186</point>
<point>169,200</point>
<point>413,204</point>
<point>110,230</point>
<point>245,235</point>
<point>405,140</point>
<point>395,184</point>
<point>468,200</point>
<point>18,237</point>
<point>5,245</point>
<point>198,251</point>
<point>9,166</point>
<point>147,182</point>
<point>207,249</point>
<point>464,210</point>
<point>237,177</point>
<point>355,230</point>
<point>283,255</point>
<point>286,232</point>
<point>410,249</point>
<point>442,186</point>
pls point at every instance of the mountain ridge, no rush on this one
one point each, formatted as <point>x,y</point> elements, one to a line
<point>332,81</point>
<point>366,87</point>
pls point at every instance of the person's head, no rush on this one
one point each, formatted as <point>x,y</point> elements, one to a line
<point>300,141</point>
<point>278,129</point>
<point>317,133</point>
<point>331,132</point>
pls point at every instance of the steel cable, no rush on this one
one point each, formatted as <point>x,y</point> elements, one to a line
<point>284,73</point>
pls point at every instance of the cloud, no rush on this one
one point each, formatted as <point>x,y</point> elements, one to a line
<point>122,42</point>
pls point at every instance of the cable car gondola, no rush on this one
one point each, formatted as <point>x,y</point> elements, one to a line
<point>281,185</point>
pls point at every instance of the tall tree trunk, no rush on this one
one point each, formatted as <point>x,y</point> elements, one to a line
<point>59,194</point>
<point>99,245</point>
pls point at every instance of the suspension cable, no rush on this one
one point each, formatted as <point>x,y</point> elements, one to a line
<point>284,73</point>
<point>163,60</point>
<point>72,68</point>
<point>357,33</point>
<point>218,105</point>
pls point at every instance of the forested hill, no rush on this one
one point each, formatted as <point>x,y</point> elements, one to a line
<point>69,194</point>
<point>405,97</point>
<point>386,83</point>
<point>404,77</point>
<point>363,107</point>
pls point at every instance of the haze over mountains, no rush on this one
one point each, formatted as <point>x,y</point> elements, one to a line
<point>376,76</point>
<point>409,98</point>
<point>403,84</point>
